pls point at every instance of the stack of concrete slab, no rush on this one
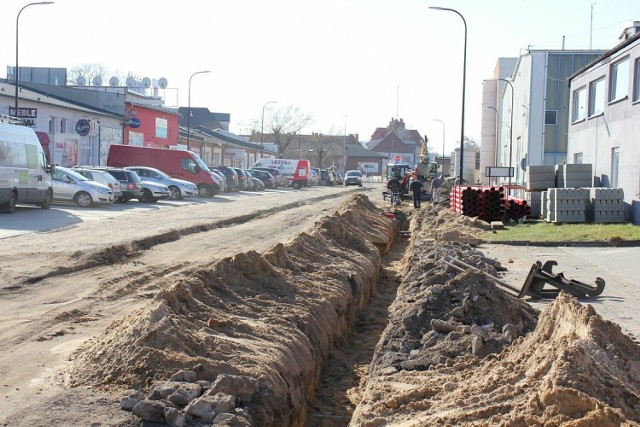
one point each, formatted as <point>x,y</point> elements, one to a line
<point>540,178</point>
<point>567,205</point>
<point>574,176</point>
<point>535,203</point>
<point>607,205</point>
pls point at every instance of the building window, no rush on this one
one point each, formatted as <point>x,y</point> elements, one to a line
<point>596,97</point>
<point>52,124</point>
<point>579,104</point>
<point>619,80</point>
<point>550,117</point>
<point>63,125</point>
<point>577,158</point>
<point>636,80</point>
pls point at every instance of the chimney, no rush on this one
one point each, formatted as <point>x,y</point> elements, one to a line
<point>633,27</point>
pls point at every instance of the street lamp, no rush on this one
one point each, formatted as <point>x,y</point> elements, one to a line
<point>510,126</point>
<point>464,78</point>
<point>189,108</point>
<point>17,70</point>
<point>443,140</point>
<point>262,125</point>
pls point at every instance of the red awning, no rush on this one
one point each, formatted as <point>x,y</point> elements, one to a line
<point>44,140</point>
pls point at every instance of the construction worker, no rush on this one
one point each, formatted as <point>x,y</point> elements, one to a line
<point>416,189</point>
<point>436,188</point>
<point>394,186</point>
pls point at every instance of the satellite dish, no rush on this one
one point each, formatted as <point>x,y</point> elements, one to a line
<point>81,81</point>
<point>97,81</point>
<point>130,82</point>
<point>162,83</point>
<point>146,82</point>
<point>113,81</point>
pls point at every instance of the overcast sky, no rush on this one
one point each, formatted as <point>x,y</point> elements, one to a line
<point>350,64</point>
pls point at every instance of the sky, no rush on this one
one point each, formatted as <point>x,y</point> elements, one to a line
<point>351,65</point>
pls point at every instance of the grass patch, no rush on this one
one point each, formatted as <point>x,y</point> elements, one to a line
<point>540,231</point>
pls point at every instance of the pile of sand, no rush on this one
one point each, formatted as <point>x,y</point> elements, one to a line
<point>574,368</point>
<point>273,317</point>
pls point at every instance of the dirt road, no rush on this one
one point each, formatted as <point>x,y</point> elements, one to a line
<point>61,287</point>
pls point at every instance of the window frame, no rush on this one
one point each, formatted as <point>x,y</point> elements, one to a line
<point>636,80</point>
<point>579,104</point>
<point>615,79</point>
<point>593,86</point>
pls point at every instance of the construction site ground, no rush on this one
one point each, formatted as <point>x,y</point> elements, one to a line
<point>314,308</point>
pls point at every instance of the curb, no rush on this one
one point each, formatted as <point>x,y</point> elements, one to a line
<point>612,244</point>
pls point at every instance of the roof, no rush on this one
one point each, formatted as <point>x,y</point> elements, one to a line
<point>631,40</point>
<point>230,138</point>
<point>357,150</point>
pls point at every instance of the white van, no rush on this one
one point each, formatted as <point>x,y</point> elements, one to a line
<point>25,176</point>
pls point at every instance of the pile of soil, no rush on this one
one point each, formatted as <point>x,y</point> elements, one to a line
<point>459,350</point>
<point>269,318</point>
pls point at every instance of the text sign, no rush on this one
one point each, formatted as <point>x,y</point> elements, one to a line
<point>498,171</point>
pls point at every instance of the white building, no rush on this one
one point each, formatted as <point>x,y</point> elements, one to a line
<point>605,119</point>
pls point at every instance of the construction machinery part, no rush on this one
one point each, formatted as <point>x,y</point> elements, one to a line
<point>462,266</point>
<point>540,275</point>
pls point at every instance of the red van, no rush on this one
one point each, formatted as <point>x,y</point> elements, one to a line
<point>180,164</point>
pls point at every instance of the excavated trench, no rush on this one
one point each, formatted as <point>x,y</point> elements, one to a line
<point>350,324</point>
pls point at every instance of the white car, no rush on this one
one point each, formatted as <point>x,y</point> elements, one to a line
<point>178,188</point>
<point>103,177</point>
<point>70,186</point>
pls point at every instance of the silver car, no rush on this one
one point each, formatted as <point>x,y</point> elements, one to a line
<point>178,188</point>
<point>103,177</point>
<point>153,191</point>
<point>70,186</point>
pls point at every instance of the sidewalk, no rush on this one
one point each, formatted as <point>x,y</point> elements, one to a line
<point>620,299</point>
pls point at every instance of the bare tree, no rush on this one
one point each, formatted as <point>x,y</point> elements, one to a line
<point>284,124</point>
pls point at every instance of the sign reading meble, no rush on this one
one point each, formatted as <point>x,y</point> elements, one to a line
<point>28,115</point>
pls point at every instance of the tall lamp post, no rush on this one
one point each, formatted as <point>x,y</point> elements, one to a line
<point>464,78</point>
<point>189,108</point>
<point>510,126</point>
<point>443,140</point>
<point>262,125</point>
<point>17,70</point>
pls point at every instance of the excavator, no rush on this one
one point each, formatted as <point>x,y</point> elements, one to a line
<point>424,171</point>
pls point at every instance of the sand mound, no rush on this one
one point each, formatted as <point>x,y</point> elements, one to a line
<point>573,369</point>
<point>271,317</point>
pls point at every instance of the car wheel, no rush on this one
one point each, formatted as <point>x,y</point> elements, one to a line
<point>204,190</point>
<point>47,201</point>
<point>83,199</point>
<point>10,206</point>
<point>175,193</point>
<point>324,182</point>
<point>147,197</point>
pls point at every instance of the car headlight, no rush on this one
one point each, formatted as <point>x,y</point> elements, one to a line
<point>104,191</point>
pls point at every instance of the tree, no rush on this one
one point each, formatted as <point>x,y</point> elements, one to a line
<point>88,71</point>
<point>284,124</point>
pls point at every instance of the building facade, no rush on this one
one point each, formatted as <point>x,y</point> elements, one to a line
<point>605,119</point>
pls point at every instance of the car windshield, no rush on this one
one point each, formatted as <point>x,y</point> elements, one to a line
<point>162,174</point>
<point>353,173</point>
<point>200,163</point>
<point>75,175</point>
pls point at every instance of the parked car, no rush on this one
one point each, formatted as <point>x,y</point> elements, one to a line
<point>179,188</point>
<point>103,177</point>
<point>70,186</point>
<point>353,177</point>
<point>267,179</point>
<point>257,185</point>
<point>182,164</point>
<point>230,174</point>
<point>153,191</point>
<point>313,178</point>
<point>326,177</point>
<point>279,179</point>
<point>243,180</point>
<point>221,179</point>
<point>130,182</point>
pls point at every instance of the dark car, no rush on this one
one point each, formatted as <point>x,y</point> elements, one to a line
<point>130,183</point>
<point>326,178</point>
<point>243,180</point>
<point>279,179</point>
<point>230,174</point>
<point>257,184</point>
<point>267,179</point>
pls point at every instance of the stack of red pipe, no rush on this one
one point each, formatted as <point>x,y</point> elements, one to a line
<point>486,203</point>
<point>516,208</point>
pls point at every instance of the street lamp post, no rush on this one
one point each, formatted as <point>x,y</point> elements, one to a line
<point>510,126</point>
<point>262,125</point>
<point>443,140</point>
<point>189,109</point>
<point>17,70</point>
<point>464,78</point>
